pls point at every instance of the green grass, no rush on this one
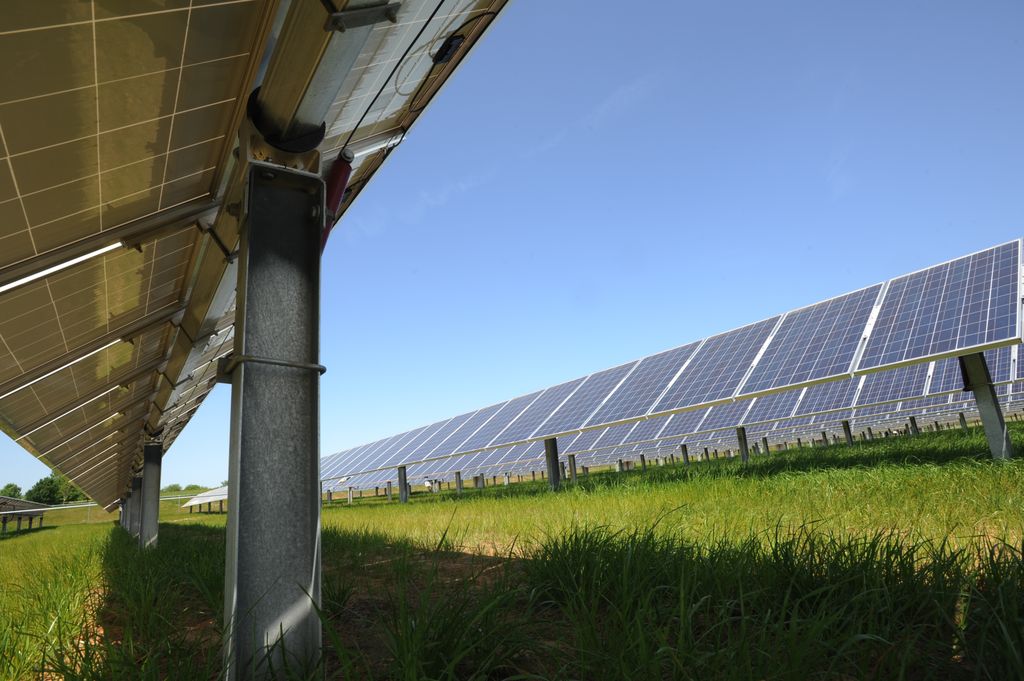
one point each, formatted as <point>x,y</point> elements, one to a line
<point>898,559</point>
<point>936,486</point>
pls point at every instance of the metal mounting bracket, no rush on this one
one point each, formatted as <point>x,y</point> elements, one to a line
<point>229,255</point>
<point>362,16</point>
<point>226,365</point>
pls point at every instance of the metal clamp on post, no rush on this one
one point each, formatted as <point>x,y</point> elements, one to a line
<point>229,255</point>
<point>227,365</point>
<point>362,16</point>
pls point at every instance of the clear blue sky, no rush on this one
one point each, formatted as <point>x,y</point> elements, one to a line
<point>598,183</point>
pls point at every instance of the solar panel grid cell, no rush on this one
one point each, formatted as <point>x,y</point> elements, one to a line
<point>501,419</point>
<point>773,407</point>
<point>717,368</point>
<point>576,410</point>
<point>647,429</point>
<point>813,343</point>
<point>726,415</point>
<point>454,442</point>
<point>638,392</point>
<point>825,396</point>
<point>956,305</point>
<point>527,422</point>
<point>684,422</point>
<point>893,385</point>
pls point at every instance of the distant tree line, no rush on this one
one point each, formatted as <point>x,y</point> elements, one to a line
<point>56,489</point>
<point>187,489</point>
<point>53,489</point>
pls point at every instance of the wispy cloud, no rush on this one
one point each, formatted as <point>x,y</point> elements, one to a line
<point>377,216</point>
<point>837,178</point>
<point>620,102</point>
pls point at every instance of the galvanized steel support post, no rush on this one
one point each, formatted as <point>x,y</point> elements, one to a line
<point>963,422</point>
<point>847,433</point>
<point>764,444</point>
<point>458,482</point>
<point>572,467</point>
<point>272,580</point>
<point>912,424</point>
<point>978,380</point>
<point>643,462</point>
<point>403,486</point>
<point>152,453</point>
<point>741,440</point>
<point>551,458</point>
<point>136,501</point>
<point>387,490</point>
<point>685,453</point>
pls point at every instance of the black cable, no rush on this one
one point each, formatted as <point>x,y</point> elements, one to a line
<point>393,71</point>
<point>413,109</point>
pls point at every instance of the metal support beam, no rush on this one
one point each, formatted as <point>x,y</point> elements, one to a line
<point>847,433</point>
<point>403,486</point>
<point>136,502</point>
<point>551,458</point>
<point>764,444</point>
<point>685,453</point>
<point>741,440</point>
<point>388,491</point>
<point>871,433</point>
<point>272,580</point>
<point>912,425</point>
<point>963,422</point>
<point>643,463</point>
<point>978,380</point>
<point>152,453</point>
<point>458,482</point>
<point>572,467</point>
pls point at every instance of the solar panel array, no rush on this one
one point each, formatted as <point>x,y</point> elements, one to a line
<point>880,345</point>
<point>117,124</point>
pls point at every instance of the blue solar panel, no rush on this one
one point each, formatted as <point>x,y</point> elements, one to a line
<point>726,415</point>
<point>647,429</point>
<point>813,343</point>
<point>685,422</point>
<point>370,455</point>
<point>575,411</point>
<point>399,451</point>
<point>585,440</point>
<point>946,376</point>
<point>502,418</point>
<point>961,304</point>
<point>773,407</point>
<point>613,436</point>
<point>526,423</point>
<point>454,442</point>
<point>427,446</point>
<point>958,306</point>
<point>828,396</point>
<point>638,392</point>
<point>887,386</point>
<point>999,366</point>
<point>717,368</point>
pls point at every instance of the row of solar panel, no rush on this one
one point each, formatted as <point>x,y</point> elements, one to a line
<point>530,457</point>
<point>933,378</point>
<point>949,308</point>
